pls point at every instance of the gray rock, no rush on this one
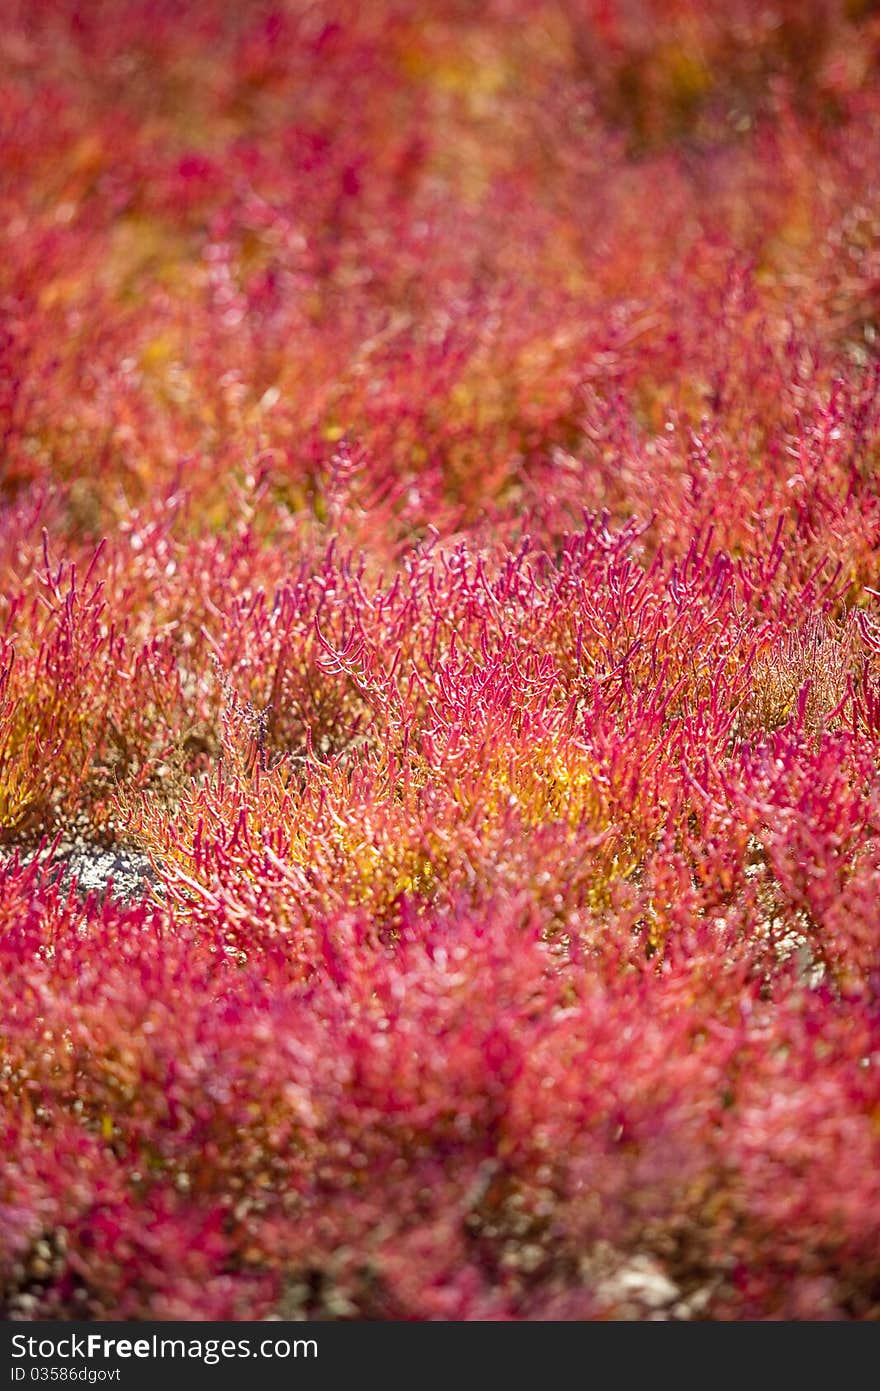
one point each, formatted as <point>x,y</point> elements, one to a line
<point>123,874</point>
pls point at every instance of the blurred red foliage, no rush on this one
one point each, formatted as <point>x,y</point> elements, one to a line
<point>439,525</point>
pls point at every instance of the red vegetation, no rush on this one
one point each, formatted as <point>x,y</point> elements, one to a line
<point>439,524</point>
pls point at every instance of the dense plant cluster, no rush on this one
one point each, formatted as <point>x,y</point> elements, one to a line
<point>438,525</point>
